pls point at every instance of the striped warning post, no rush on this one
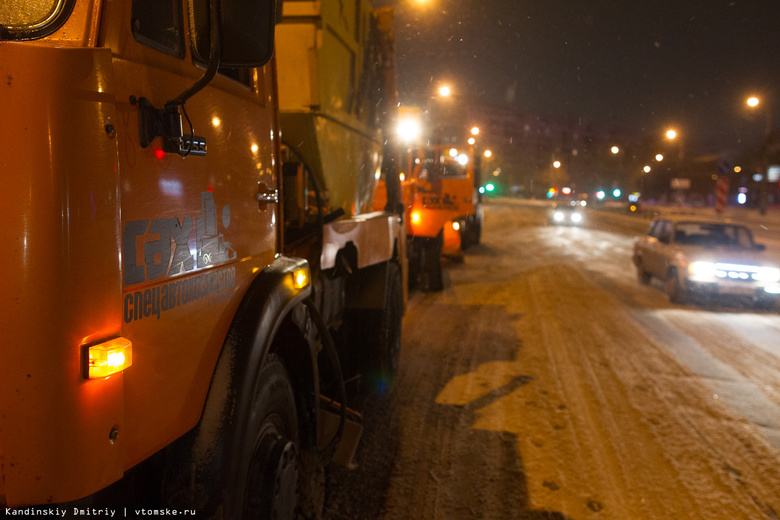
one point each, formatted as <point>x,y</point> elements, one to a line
<point>721,194</point>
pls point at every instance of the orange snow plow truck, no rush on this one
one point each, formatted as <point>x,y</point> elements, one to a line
<point>193,283</point>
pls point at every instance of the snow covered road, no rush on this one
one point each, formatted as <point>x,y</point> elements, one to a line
<point>546,382</point>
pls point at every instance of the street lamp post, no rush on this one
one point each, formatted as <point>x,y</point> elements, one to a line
<point>764,185</point>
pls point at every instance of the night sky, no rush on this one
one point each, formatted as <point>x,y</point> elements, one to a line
<point>635,66</point>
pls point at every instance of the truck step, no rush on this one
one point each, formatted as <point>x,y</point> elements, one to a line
<point>330,416</point>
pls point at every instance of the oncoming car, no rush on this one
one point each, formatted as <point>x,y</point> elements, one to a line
<point>706,257</point>
<point>566,213</point>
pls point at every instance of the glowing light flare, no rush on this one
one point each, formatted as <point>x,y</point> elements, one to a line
<point>444,90</point>
<point>671,134</point>
<point>659,157</point>
<point>409,129</point>
<point>216,122</point>
<point>615,150</point>
<point>646,169</point>
<point>301,278</point>
<point>109,357</point>
<point>416,217</point>
<point>557,164</point>
<point>463,159</point>
<point>475,130</point>
<point>752,101</point>
<point>488,153</point>
<point>453,152</point>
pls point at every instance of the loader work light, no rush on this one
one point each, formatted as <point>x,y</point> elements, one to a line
<point>109,357</point>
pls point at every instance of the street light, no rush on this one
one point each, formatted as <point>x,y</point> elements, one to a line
<point>615,150</point>
<point>557,164</point>
<point>488,153</point>
<point>764,186</point>
<point>475,131</point>
<point>672,135</point>
<point>444,91</point>
<point>659,157</point>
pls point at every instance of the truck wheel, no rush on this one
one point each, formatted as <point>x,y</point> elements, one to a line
<point>271,484</point>
<point>431,276</point>
<point>677,293</point>
<point>390,331</point>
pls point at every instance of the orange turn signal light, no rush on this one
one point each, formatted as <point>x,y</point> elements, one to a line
<point>301,278</point>
<point>109,357</point>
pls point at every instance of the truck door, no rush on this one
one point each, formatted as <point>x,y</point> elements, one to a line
<point>195,228</point>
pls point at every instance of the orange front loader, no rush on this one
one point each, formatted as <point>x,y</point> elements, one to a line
<point>161,341</point>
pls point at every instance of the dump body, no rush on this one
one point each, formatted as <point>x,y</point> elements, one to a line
<point>329,89</point>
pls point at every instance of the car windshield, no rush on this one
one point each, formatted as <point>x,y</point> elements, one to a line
<point>707,234</point>
<point>28,14</point>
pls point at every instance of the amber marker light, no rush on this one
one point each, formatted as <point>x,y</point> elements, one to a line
<point>416,217</point>
<point>109,357</point>
<point>301,278</point>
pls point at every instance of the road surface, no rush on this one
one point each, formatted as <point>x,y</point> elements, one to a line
<point>546,382</point>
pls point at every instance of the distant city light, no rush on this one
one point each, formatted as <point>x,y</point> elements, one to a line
<point>557,164</point>
<point>616,193</point>
<point>600,194</point>
<point>475,131</point>
<point>463,159</point>
<point>659,157</point>
<point>646,169</point>
<point>472,140</point>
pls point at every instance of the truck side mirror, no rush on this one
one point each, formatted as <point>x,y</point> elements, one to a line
<point>247,31</point>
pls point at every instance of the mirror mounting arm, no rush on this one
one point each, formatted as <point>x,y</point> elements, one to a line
<point>214,58</point>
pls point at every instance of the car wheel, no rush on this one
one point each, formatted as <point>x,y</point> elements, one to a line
<point>677,293</point>
<point>642,275</point>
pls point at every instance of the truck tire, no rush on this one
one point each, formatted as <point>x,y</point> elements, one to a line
<point>431,279</point>
<point>388,342</point>
<point>272,478</point>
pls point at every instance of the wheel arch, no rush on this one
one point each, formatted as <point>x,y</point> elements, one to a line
<point>270,319</point>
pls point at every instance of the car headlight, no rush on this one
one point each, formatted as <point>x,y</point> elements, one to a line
<point>558,216</point>
<point>767,274</point>
<point>576,217</point>
<point>702,269</point>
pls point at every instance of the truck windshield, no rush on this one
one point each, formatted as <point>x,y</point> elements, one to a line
<point>29,17</point>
